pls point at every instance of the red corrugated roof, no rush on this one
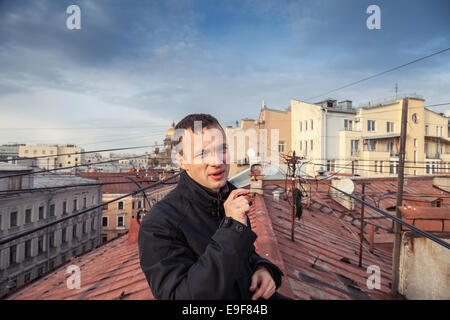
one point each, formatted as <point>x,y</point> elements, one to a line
<point>109,272</point>
<point>322,263</point>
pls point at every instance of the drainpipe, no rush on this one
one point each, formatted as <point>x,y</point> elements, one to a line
<point>50,198</point>
<point>99,215</point>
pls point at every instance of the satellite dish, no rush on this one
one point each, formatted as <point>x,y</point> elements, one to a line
<point>346,185</point>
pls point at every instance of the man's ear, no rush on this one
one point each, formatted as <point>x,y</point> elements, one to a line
<point>180,160</point>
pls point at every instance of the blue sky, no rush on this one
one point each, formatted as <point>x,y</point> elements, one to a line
<point>137,65</point>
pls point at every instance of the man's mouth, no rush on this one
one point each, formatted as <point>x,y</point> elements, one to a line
<point>217,175</point>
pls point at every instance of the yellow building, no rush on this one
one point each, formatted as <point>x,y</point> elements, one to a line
<point>53,156</point>
<point>371,146</point>
<point>265,138</point>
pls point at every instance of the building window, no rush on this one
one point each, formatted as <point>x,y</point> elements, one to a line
<point>120,221</point>
<point>92,224</point>
<point>311,145</point>
<point>372,145</point>
<point>84,202</point>
<point>13,220</point>
<point>13,254</point>
<point>120,205</point>
<point>300,144</point>
<point>354,147</point>
<point>312,124</point>
<point>104,238</point>
<point>381,166</point>
<point>28,216</point>
<point>389,126</point>
<point>139,204</point>
<point>52,210</point>
<point>415,156</point>
<point>64,207</point>
<point>64,235</point>
<point>52,239</point>
<point>391,167</point>
<point>306,125</point>
<point>74,231</point>
<point>416,143</point>
<point>105,207</point>
<point>426,129</point>
<point>84,227</point>
<point>41,213</point>
<point>28,249</point>
<point>74,205</point>
<point>300,126</point>
<point>370,125</point>
<point>427,168</point>
<point>104,221</point>
<point>27,277</point>
<point>40,244</point>
<point>376,166</point>
<point>281,147</point>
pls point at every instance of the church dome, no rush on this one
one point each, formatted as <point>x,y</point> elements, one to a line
<point>169,132</point>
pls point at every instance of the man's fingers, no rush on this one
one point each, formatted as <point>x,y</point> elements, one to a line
<point>270,291</point>
<point>235,193</point>
<point>254,283</point>
<point>262,288</point>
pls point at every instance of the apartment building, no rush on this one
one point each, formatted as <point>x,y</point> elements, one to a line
<point>53,156</point>
<point>266,137</point>
<point>31,255</point>
<point>315,132</point>
<point>370,146</point>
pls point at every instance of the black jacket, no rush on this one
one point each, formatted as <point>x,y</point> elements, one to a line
<point>189,250</point>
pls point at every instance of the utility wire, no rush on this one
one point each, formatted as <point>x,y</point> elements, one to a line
<point>77,153</point>
<point>71,167</point>
<point>380,73</point>
<point>27,232</point>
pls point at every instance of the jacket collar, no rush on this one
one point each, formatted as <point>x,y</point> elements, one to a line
<point>199,196</point>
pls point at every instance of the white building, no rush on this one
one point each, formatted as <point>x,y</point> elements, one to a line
<point>315,132</point>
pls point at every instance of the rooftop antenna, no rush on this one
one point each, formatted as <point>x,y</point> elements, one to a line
<point>263,104</point>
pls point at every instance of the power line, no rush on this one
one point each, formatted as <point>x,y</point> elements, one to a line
<point>380,73</point>
<point>82,152</point>
<point>71,167</point>
<point>24,233</point>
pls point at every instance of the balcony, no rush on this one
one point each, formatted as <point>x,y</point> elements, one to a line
<point>354,153</point>
<point>432,155</point>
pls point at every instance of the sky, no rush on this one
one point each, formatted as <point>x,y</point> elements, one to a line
<point>136,66</point>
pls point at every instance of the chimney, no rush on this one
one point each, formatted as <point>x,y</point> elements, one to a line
<point>424,263</point>
<point>133,232</point>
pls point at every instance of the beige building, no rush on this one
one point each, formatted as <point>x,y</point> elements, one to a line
<point>53,156</point>
<point>370,146</point>
<point>266,138</point>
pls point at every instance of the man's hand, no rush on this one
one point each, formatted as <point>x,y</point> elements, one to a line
<point>237,207</point>
<point>263,282</point>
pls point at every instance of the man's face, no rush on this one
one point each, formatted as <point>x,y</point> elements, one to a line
<point>206,160</point>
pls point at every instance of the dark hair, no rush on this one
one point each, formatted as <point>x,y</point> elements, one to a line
<point>187,123</point>
<point>207,120</point>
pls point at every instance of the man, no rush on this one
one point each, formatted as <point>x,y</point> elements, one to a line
<point>197,243</point>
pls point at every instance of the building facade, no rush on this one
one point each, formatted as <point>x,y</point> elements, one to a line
<point>53,156</point>
<point>315,133</point>
<point>31,255</point>
<point>371,146</point>
<point>266,138</point>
